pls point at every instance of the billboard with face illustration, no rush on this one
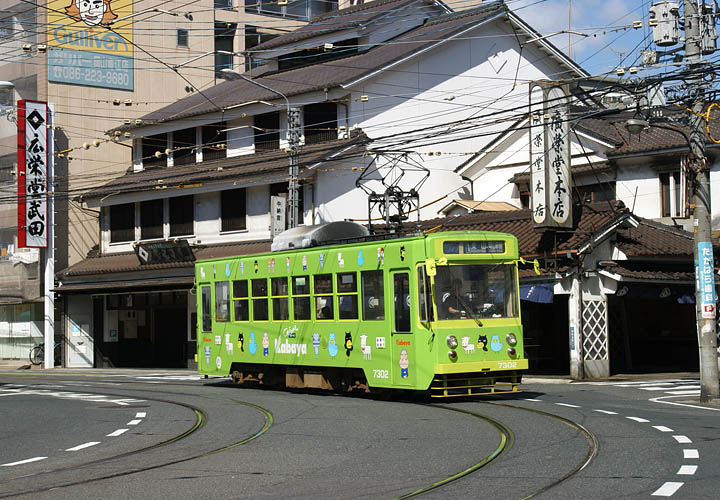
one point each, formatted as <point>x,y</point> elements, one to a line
<point>90,43</point>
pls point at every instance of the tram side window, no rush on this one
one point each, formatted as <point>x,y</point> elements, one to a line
<point>301,298</point>
<point>401,299</point>
<point>240,300</point>
<point>259,299</point>
<point>347,296</point>
<point>206,309</point>
<point>426,311</point>
<point>279,289</point>
<point>323,288</point>
<point>373,296</point>
<point>222,301</point>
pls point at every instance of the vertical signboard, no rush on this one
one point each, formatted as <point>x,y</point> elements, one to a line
<point>277,211</point>
<point>706,279</point>
<point>32,163</point>
<point>551,190</point>
<point>537,154</point>
<point>88,46</point>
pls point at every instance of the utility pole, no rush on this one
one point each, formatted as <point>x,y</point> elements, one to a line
<point>704,263</point>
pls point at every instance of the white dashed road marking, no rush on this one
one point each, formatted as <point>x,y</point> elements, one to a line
<point>667,489</point>
<point>638,419</point>
<point>682,439</point>
<point>83,446</point>
<point>662,428</point>
<point>141,414</point>
<point>606,412</point>
<point>568,405</point>
<point>23,461</point>
<point>690,453</point>
<point>118,432</point>
<point>134,422</point>
<point>687,470</point>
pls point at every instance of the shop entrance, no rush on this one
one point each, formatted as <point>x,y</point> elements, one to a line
<point>141,330</point>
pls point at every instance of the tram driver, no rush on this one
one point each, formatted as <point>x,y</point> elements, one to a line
<point>452,303</point>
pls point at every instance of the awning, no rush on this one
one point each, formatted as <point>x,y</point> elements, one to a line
<point>540,292</point>
<point>136,285</point>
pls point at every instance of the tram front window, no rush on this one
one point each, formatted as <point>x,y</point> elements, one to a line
<point>475,291</point>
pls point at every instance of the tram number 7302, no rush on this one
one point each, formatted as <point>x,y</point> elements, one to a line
<point>381,373</point>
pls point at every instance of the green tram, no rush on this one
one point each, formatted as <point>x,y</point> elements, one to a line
<point>336,308</point>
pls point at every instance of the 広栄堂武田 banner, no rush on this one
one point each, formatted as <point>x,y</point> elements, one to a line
<point>88,46</point>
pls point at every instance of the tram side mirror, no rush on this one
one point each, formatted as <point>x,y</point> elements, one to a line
<point>430,267</point>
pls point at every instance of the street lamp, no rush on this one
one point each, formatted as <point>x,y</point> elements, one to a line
<point>293,136</point>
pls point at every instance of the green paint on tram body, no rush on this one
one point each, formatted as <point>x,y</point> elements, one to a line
<point>386,307</point>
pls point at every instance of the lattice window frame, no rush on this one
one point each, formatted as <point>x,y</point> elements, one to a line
<point>595,330</point>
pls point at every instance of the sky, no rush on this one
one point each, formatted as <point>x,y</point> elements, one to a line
<point>608,45</point>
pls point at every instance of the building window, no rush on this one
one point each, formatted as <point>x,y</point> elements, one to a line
<point>223,4</point>
<point>224,41</point>
<point>122,223</point>
<point>254,36</point>
<point>181,215</point>
<point>214,142</point>
<point>267,131</point>
<point>320,122</point>
<point>151,145</point>
<point>151,219</point>
<point>233,211</point>
<point>298,9</point>
<point>184,146</point>
<point>670,198</point>
<point>589,193</point>
<point>182,38</point>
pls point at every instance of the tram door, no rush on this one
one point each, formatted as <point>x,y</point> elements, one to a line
<point>403,364</point>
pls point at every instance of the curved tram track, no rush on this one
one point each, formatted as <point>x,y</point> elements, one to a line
<point>201,420</point>
<point>507,440</point>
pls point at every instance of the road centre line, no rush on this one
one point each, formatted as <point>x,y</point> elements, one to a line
<point>83,446</point>
<point>667,489</point>
<point>685,393</point>
<point>687,470</point>
<point>35,459</point>
<point>671,388</point>
<point>568,405</point>
<point>117,432</point>
<point>662,428</point>
<point>638,419</point>
<point>682,439</point>
<point>606,412</point>
<point>531,399</point>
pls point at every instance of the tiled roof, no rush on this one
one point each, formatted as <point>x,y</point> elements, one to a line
<point>653,239</point>
<point>328,74</point>
<point>663,134</point>
<point>651,273</point>
<point>264,167</point>
<point>354,16</point>
<point>124,264</point>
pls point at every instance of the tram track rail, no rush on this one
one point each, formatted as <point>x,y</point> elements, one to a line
<point>201,420</point>
<point>507,441</point>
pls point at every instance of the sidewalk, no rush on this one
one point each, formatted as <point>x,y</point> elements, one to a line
<point>16,364</point>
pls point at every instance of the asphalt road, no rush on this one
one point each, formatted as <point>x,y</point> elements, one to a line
<point>145,435</point>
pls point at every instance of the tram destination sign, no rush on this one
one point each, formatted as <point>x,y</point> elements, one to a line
<point>164,252</point>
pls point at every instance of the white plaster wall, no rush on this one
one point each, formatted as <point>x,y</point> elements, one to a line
<point>639,187</point>
<point>240,141</point>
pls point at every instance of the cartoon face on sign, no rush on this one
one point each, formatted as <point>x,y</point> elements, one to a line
<point>91,12</point>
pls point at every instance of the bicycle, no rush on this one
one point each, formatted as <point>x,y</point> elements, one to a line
<point>37,353</point>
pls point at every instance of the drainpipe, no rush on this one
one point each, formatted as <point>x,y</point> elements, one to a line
<point>472,186</point>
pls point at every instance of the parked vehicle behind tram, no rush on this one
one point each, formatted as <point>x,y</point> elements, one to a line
<point>336,308</point>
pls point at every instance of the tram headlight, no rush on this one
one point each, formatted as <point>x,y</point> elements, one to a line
<point>452,341</point>
<point>511,339</point>
<point>452,355</point>
<point>511,351</point>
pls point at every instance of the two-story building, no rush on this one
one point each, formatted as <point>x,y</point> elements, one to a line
<point>405,87</point>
